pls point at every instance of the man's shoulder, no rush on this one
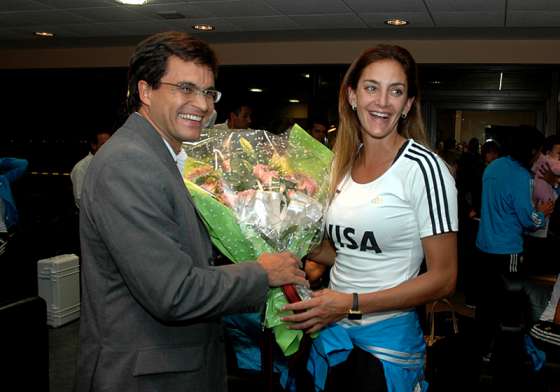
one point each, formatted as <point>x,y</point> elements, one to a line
<point>82,162</point>
<point>222,126</point>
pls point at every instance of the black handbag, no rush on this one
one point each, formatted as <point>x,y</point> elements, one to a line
<point>451,363</point>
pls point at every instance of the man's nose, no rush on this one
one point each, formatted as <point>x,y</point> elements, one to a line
<point>202,102</point>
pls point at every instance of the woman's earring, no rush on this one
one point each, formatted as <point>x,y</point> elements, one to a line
<point>354,107</point>
<point>403,115</point>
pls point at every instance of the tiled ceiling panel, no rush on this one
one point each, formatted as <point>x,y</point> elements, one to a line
<point>375,6</point>
<point>264,23</point>
<point>109,14</point>
<point>309,7</point>
<point>534,5</point>
<point>466,5</point>
<point>335,21</point>
<point>253,20</point>
<point>240,8</point>
<point>64,4</point>
<point>534,19</point>
<point>468,19</point>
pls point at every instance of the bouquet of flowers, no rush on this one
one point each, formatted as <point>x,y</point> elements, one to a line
<point>259,192</point>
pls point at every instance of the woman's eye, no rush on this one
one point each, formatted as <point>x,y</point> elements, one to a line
<point>370,89</point>
<point>397,92</point>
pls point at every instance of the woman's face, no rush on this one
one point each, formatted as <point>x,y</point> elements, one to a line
<point>555,152</point>
<point>381,98</point>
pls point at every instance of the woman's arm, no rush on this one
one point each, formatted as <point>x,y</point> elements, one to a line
<point>438,281</point>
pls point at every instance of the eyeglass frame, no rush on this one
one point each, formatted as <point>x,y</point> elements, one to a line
<point>204,92</point>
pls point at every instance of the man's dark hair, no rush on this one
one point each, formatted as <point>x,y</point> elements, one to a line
<point>318,120</point>
<point>522,143</point>
<point>92,136</point>
<point>236,108</point>
<point>149,61</point>
<point>490,146</point>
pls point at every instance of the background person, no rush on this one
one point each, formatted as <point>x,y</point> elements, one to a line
<point>318,129</point>
<point>506,212</point>
<point>11,169</point>
<point>95,141</point>
<point>239,117</point>
<point>393,203</point>
<point>152,300</point>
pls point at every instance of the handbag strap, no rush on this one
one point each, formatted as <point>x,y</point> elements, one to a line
<point>432,318</point>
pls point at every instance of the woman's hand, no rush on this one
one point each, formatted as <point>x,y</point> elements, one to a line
<point>546,207</point>
<point>324,308</point>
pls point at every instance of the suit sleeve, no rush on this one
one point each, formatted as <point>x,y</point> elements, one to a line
<point>135,211</point>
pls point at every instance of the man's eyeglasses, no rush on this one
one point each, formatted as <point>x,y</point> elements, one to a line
<point>188,89</point>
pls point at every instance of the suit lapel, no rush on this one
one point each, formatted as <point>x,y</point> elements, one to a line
<point>147,132</point>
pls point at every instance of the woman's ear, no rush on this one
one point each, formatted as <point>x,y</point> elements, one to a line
<point>408,105</point>
<point>352,99</point>
<point>145,92</point>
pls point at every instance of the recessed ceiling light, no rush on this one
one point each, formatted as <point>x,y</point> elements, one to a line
<point>294,100</point>
<point>256,90</point>
<point>43,34</point>
<point>203,27</point>
<point>397,22</point>
<point>132,2</point>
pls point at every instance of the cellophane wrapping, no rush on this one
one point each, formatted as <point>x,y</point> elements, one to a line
<point>260,192</point>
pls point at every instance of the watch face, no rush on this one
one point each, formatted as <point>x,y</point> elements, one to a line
<point>354,315</point>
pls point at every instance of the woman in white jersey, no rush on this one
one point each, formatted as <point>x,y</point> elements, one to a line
<point>393,204</point>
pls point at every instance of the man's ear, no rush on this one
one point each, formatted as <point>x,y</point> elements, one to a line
<point>145,92</point>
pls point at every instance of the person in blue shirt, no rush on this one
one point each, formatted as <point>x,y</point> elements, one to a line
<point>10,170</point>
<point>507,211</point>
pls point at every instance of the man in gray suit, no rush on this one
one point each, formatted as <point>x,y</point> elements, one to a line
<point>152,298</point>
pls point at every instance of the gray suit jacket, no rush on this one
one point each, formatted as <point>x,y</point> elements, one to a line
<point>151,297</point>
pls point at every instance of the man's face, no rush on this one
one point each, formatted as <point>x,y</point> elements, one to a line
<point>319,132</point>
<point>242,120</point>
<point>178,117</point>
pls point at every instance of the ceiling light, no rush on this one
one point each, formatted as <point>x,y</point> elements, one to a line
<point>133,2</point>
<point>43,34</point>
<point>306,76</point>
<point>203,27</point>
<point>396,22</point>
<point>294,100</point>
<point>256,90</point>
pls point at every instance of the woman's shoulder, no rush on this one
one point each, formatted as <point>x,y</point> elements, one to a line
<point>421,157</point>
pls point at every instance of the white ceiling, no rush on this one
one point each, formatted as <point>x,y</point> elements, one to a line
<point>106,22</point>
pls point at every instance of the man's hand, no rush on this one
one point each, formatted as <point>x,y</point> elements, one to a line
<point>282,268</point>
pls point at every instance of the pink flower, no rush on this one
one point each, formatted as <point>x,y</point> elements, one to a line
<point>304,183</point>
<point>264,174</point>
